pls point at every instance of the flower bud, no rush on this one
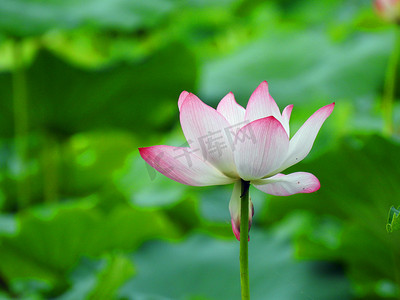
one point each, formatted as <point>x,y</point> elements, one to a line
<point>236,221</point>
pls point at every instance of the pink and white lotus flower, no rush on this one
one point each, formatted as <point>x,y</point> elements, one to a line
<point>389,10</point>
<point>231,143</point>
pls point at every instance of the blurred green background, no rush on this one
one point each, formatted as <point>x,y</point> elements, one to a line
<point>84,83</point>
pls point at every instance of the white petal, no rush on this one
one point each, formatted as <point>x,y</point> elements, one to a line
<point>262,105</point>
<point>231,110</point>
<point>286,118</point>
<point>260,148</point>
<point>234,205</point>
<point>285,185</point>
<point>207,131</point>
<point>182,165</point>
<point>301,143</point>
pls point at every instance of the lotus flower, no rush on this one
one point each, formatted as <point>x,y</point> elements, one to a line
<point>389,10</point>
<point>230,144</point>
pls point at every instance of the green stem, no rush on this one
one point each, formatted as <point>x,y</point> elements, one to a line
<point>20,123</point>
<point>244,240</point>
<point>50,163</point>
<point>390,85</point>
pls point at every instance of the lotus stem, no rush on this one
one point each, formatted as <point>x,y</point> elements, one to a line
<point>244,241</point>
<point>390,85</point>
<point>20,101</point>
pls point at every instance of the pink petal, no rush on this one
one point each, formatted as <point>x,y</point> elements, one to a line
<point>301,143</point>
<point>387,9</point>
<point>236,230</point>
<point>231,110</point>
<point>209,133</point>
<point>286,118</point>
<point>182,98</point>
<point>285,185</point>
<point>260,148</point>
<point>261,104</point>
<point>234,209</point>
<point>183,165</point>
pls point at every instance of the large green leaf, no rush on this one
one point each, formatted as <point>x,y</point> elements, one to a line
<point>300,72</point>
<point>79,166</point>
<point>338,54</point>
<point>51,241</point>
<point>99,279</point>
<point>89,160</point>
<point>33,17</point>
<point>205,268</point>
<point>8,225</point>
<point>359,184</point>
<point>65,99</point>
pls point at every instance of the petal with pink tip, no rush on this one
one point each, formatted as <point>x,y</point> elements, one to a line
<point>231,110</point>
<point>234,209</point>
<point>182,98</point>
<point>183,165</point>
<point>208,132</point>
<point>260,148</point>
<point>285,185</point>
<point>286,118</point>
<point>261,104</point>
<point>301,143</point>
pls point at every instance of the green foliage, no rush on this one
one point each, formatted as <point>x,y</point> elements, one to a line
<point>90,160</point>
<point>361,61</point>
<point>33,17</point>
<point>99,279</point>
<point>358,184</point>
<point>145,190</point>
<point>393,222</point>
<point>67,99</point>
<point>206,270</point>
<point>52,240</point>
